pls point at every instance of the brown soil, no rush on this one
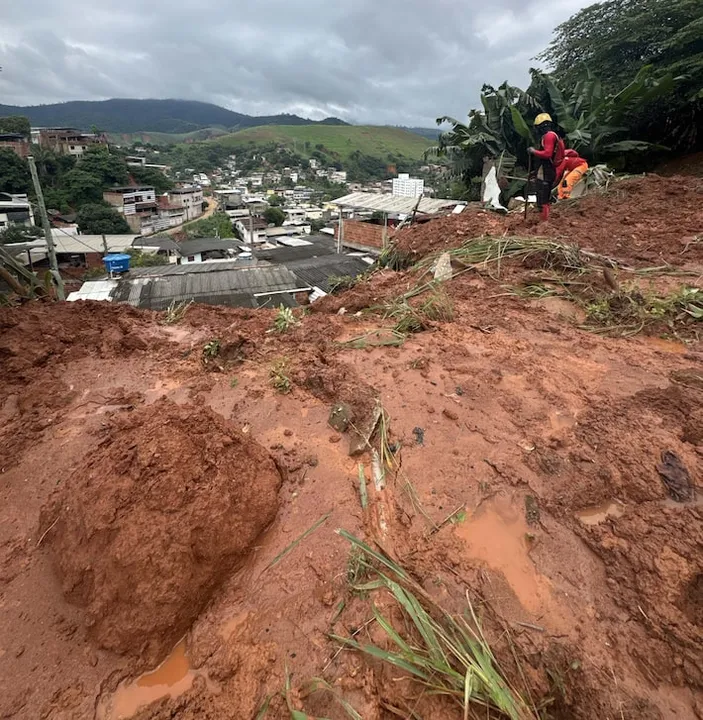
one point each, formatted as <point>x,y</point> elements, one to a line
<point>529,457</point>
<point>150,524</point>
<point>643,221</point>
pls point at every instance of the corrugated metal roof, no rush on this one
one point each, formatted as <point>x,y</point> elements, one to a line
<point>75,244</point>
<point>94,290</point>
<point>316,272</point>
<point>211,283</point>
<point>393,203</point>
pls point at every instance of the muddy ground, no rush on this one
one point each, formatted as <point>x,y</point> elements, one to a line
<point>549,471</point>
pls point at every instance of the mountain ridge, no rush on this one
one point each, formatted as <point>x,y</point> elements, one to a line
<point>167,116</point>
<point>128,115</point>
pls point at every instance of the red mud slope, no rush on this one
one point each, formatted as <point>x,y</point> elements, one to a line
<point>645,221</point>
<point>161,503</point>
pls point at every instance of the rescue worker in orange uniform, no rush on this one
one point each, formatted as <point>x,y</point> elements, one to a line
<point>549,159</point>
<point>572,169</point>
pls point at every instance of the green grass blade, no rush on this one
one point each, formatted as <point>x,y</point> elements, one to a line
<point>298,540</point>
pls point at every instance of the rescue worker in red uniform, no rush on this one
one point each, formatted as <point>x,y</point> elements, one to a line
<point>570,173</point>
<point>549,159</point>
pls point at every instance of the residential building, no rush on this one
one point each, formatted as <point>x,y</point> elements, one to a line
<point>252,229</point>
<point>15,209</point>
<point>314,164</point>
<point>67,141</point>
<point>338,176</point>
<point>256,205</point>
<point>405,186</point>
<point>302,193</point>
<point>189,198</point>
<point>16,142</point>
<point>137,203</point>
<point>167,215</point>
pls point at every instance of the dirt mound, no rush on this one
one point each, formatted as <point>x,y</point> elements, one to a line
<point>653,561</point>
<point>34,335</point>
<point>644,220</point>
<point>152,523</point>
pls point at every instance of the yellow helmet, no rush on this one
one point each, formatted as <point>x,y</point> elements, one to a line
<point>542,118</point>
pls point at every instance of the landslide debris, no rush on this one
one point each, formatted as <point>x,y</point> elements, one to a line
<point>148,527</point>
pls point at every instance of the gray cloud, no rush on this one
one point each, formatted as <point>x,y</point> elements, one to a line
<point>379,61</point>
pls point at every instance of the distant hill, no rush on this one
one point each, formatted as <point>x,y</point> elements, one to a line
<point>338,141</point>
<point>429,133</point>
<point>160,116</point>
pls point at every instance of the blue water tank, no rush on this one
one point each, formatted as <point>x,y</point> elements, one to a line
<point>119,262</point>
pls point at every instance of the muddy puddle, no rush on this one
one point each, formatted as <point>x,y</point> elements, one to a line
<point>598,514</point>
<point>171,679</point>
<point>499,537</point>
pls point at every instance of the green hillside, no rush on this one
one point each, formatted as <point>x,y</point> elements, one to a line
<point>337,141</point>
<point>160,138</point>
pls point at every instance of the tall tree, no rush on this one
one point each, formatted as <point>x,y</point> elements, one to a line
<point>14,173</point>
<point>96,219</point>
<point>110,169</point>
<point>15,124</point>
<point>617,38</point>
<point>274,216</point>
<point>81,187</point>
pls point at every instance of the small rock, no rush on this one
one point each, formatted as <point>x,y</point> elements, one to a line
<point>340,417</point>
<point>450,414</point>
<point>335,438</point>
<point>20,651</point>
<point>288,432</point>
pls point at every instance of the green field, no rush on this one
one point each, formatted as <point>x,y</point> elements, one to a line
<point>338,140</point>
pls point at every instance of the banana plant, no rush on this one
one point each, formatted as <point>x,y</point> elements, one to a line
<point>595,124</point>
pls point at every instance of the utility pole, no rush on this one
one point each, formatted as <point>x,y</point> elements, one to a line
<point>53,264</point>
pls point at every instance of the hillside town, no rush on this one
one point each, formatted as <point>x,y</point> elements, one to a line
<point>258,213</point>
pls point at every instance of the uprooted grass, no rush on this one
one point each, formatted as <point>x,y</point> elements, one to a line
<point>489,252</point>
<point>409,319</point>
<point>447,654</point>
<point>630,311</point>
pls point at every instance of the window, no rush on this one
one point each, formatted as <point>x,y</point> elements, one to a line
<point>191,258</point>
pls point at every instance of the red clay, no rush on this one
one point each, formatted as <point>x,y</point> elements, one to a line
<point>648,220</point>
<point>528,425</point>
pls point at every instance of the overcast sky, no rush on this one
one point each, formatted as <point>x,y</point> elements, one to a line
<point>399,62</point>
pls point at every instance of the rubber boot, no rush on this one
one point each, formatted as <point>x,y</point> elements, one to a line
<point>544,214</point>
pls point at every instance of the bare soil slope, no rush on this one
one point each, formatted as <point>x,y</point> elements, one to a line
<point>548,473</point>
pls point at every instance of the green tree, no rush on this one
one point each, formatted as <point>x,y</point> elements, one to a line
<point>15,233</point>
<point>110,169</point>
<point>82,187</point>
<point>275,200</point>
<point>616,38</point>
<point>14,173</point>
<point>15,124</point>
<point>152,176</point>
<point>144,259</point>
<point>96,219</point>
<point>274,216</point>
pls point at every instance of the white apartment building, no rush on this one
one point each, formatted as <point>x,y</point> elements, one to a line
<point>405,186</point>
<point>338,176</point>
<point>190,199</point>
